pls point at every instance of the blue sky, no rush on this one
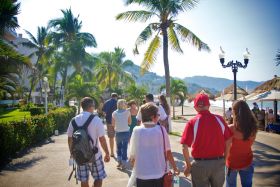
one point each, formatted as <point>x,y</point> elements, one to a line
<point>233,24</point>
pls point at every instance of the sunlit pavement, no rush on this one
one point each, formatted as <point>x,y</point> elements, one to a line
<point>47,165</point>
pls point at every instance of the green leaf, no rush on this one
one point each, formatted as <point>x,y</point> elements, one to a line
<point>133,16</point>
<point>173,40</point>
<point>151,54</point>
<point>189,36</point>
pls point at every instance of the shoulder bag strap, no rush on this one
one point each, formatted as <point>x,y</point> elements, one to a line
<point>164,149</point>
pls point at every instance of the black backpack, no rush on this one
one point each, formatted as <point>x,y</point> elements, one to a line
<point>81,149</point>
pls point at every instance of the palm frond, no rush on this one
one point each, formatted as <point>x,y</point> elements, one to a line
<point>173,40</point>
<point>88,39</point>
<point>189,4</point>
<point>8,13</point>
<point>189,36</point>
<point>134,16</point>
<point>31,37</point>
<point>151,54</point>
<point>146,33</point>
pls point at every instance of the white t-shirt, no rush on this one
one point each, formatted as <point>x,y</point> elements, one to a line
<point>121,120</point>
<point>146,146</point>
<point>161,112</point>
<point>95,129</point>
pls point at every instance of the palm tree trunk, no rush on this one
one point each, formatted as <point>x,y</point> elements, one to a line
<point>64,81</point>
<point>79,105</point>
<point>173,110</point>
<point>110,86</point>
<point>54,87</point>
<point>182,108</point>
<point>33,79</point>
<point>41,93</point>
<point>166,63</point>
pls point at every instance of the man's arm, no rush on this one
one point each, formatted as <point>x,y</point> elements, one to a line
<point>186,154</point>
<point>104,146</point>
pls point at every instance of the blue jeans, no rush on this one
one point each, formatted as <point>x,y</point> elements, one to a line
<point>122,139</point>
<point>246,176</point>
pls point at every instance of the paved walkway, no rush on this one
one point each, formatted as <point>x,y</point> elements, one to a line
<point>47,165</point>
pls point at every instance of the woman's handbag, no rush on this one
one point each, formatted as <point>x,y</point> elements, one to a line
<point>167,178</point>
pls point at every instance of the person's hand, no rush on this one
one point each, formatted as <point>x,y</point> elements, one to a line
<point>107,158</point>
<point>176,171</point>
<point>187,170</point>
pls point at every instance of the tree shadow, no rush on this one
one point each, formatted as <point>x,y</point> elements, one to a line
<point>267,164</point>
<point>22,164</point>
<point>179,160</point>
<point>26,151</point>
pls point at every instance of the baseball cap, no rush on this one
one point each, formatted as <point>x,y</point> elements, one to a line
<point>201,100</point>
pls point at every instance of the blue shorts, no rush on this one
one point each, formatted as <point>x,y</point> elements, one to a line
<point>96,169</point>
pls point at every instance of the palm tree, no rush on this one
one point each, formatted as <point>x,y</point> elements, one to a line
<point>42,49</point>
<point>136,93</point>
<point>78,88</point>
<point>166,11</point>
<point>178,90</point>
<point>277,59</point>
<point>8,13</point>
<point>109,69</point>
<point>10,59</point>
<point>67,36</point>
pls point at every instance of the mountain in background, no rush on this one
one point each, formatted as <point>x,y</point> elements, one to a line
<point>196,83</point>
<point>220,83</point>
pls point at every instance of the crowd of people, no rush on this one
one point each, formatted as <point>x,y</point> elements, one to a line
<point>141,138</point>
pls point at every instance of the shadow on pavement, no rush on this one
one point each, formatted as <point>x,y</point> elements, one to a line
<point>22,164</point>
<point>179,160</point>
<point>267,164</point>
<point>185,182</point>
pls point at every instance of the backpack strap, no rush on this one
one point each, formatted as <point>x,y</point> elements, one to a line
<point>74,124</point>
<point>86,124</point>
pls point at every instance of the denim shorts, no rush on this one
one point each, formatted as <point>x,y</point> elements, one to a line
<point>96,169</point>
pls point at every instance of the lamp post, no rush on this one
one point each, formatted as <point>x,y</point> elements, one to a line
<point>234,66</point>
<point>46,89</point>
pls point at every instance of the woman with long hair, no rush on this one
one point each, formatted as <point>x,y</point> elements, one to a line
<point>240,157</point>
<point>133,111</point>
<point>165,106</point>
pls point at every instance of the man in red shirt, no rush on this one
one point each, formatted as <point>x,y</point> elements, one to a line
<point>209,138</point>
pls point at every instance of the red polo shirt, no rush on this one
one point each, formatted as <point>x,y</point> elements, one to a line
<point>210,138</point>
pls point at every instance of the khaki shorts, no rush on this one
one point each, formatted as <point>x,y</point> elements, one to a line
<point>110,130</point>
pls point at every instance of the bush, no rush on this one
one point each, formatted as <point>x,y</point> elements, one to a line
<point>18,135</point>
<point>36,111</point>
<point>26,107</point>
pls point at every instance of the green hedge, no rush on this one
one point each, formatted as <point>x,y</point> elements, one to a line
<point>36,111</point>
<point>16,136</point>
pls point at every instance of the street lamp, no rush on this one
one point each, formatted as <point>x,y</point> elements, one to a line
<point>46,89</point>
<point>234,66</point>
